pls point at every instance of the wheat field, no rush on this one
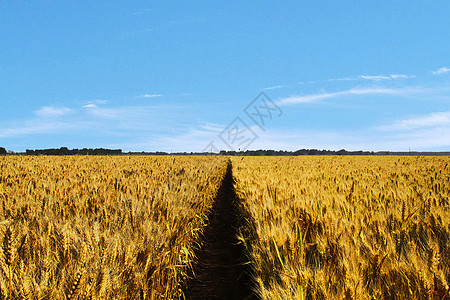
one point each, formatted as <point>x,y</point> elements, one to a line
<point>80,227</point>
<point>312,227</point>
<point>346,227</point>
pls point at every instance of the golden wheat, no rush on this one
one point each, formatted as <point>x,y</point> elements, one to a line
<point>347,227</point>
<point>102,227</point>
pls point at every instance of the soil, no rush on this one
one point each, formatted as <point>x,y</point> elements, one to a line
<point>220,273</point>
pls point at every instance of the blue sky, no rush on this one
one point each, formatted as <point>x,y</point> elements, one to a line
<point>174,76</point>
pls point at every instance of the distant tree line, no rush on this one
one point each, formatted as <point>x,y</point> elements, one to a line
<point>294,153</point>
<point>291,153</point>
<point>102,151</point>
<point>66,151</point>
<point>322,152</point>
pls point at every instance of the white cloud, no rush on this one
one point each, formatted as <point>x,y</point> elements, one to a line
<point>275,87</point>
<point>213,127</point>
<point>90,105</point>
<point>24,130</point>
<point>150,95</point>
<point>384,77</point>
<point>94,103</point>
<point>356,91</point>
<point>426,139</point>
<point>422,133</point>
<point>117,113</point>
<point>192,138</point>
<point>38,126</point>
<point>197,138</point>
<point>436,119</point>
<point>52,111</point>
<point>442,70</point>
<point>372,77</point>
<point>400,76</point>
<point>343,79</point>
<point>375,77</point>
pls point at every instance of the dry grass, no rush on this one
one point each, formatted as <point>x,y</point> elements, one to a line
<point>347,227</point>
<point>102,227</point>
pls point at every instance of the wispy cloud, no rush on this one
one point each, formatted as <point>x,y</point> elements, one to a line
<point>275,87</point>
<point>419,139</point>
<point>150,96</point>
<point>375,77</point>
<point>343,79</point>
<point>26,129</point>
<point>90,105</point>
<point>361,78</point>
<point>442,70</point>
<point>372,77</point>
<point>436,119</point>
<point>94,119</point>
<point>94,103</point>
<point>196,138</point>
<point>188,138</point>
<point>124,114</point>
<point>52,111</point>
<point>42,126</point>
<point>356,91</point>
<point>383,77</point>
<point>212,127</point>
<point>401,76</point>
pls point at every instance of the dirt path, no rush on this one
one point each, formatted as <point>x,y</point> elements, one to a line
<point>219,273</point>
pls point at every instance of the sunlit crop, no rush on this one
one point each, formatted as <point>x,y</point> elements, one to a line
<point>346,227</point>
<point>102,227</point>
<point>320,227</point>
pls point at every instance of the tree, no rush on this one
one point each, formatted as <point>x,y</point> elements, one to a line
<point>3,151</point>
